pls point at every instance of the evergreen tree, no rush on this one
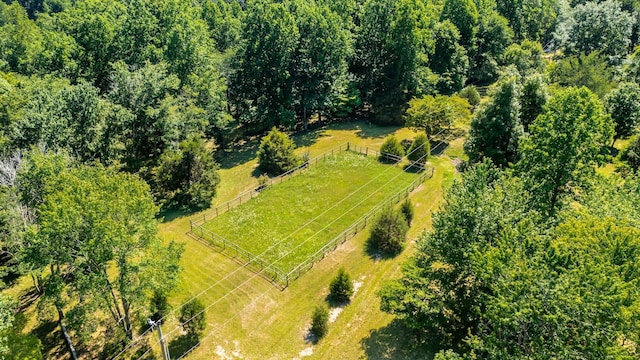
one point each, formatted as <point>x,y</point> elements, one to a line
<point>495,128</point>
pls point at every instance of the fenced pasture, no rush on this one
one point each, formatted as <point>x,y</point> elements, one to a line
<point>282,230</point>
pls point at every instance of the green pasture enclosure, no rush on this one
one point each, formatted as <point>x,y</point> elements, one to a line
<point>289,222</point>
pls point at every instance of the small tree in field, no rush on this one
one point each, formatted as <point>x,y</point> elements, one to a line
<point>275,154</point>
<point>389,233</point>
<point>192,317</point>
<point>341,287</point>
<point>320,322</point>
<point>407,211</point>
<point>420,149</point>
<point>391,146</point>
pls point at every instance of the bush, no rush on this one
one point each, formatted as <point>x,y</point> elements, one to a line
<point>275,154</point>
<point>407,211</point>
<point>420,149</point>
<point>632,154</point>
<point>391,146</point>
<point>320,322</point>
<point>471,94</point>
<point>193,318</point>
<point>389,233</point>
<point>341,287</point>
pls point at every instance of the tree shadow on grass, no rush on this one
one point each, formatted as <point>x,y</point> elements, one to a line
<point>238,154</point>
<point>183,345</point>
<point>53,346</point>
<point>438,147</point>
<point>395,341</point>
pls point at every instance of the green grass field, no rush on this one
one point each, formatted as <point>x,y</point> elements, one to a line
<point>292,220</point>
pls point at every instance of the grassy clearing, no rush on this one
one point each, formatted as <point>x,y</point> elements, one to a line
<point>249,318</point>
<point>290,221</point>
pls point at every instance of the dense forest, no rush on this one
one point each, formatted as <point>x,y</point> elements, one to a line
<point>112,111</point>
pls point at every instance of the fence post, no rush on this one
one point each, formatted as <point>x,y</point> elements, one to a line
<point>191,225</point>
<point>204,216</point>
<point>347,146</point>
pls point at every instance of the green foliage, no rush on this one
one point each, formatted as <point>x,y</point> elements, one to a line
<point>447,355</point>
<point>320,322</point>
<point>21,346</point>
<point>187,176</point>
<point>224,19</point>
<point>276,153</point>
<point>492,277</point>
<point>590,70</point>
<point>36,171</point>
<point>496,128</point>
<point>564,146</point>
<point>464,15</point>
<point>532,20</point>
<point>390,50</point>
<point>193,317</point>
<point>596,26</point>
<point>318,65</point>
<point>632,154</point>
<point>391,146</point>
<point>533,98</point>
<point>434,114</point>
<point>526,56</point>
<point>94,219</point>
<point>407,211</point>
<point>419,150</point>
<point>341,288</point>
<point>389,232</point>
<point>449,61</point>
<point>159,305</point>
<point>623,104</point>
<point>631,66</point>
<point>438,295</point>
<point>470,93</point>
<point>492,40</point>
<point>261,83</point>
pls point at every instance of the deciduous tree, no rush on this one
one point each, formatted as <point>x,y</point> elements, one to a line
<point>623,104</point>
<point>564,145</point>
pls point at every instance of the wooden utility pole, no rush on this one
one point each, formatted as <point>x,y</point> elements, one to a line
<point>163,342</point>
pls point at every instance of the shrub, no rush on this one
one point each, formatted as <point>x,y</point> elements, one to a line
<point>407,211</point>
<point>193,318</point>
<point>391,146</point>
<point>275,154</point>
<point>320,322</point>
<point>471,94</point>
<point>632,154</point>
<point>341,287</point>
<point>420,149</point>
<point>389,233</point>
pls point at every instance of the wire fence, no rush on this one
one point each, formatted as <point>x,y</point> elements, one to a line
<point>273,273</point>
<point>199,220</point>
<point>355,228</point>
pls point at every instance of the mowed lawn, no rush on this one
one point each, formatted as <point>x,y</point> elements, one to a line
<point>292,220</point>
